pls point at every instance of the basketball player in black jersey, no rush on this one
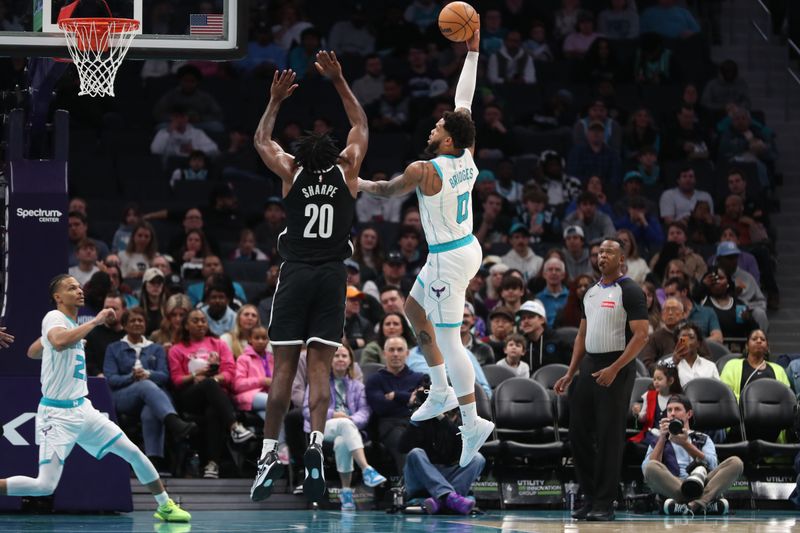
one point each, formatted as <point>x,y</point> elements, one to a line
<point>320,185</point>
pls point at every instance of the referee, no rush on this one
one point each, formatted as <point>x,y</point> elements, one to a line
<point>614,328</point>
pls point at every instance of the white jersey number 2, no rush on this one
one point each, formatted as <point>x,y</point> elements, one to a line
<point>322,217</point>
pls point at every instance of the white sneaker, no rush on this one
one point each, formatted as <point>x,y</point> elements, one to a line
<point>240,434</point>
<point>211,471</point>
<point>472,438</point>
<point>438,402</point>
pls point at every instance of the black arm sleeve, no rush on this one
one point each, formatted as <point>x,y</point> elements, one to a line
<point>633,300</point>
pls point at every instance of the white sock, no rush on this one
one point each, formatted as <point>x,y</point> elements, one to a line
<point>438,377</point>
<point>269,445</point>
<point>316,438</point>
<point>469,414</point>
<point>161,498</point>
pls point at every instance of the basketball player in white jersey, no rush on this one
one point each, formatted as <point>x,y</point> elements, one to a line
<point>435,306</point>
<point>66,417</point>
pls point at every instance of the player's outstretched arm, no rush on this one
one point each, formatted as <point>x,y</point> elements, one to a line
<point>62,338</point>
<point>271,153</point>
<point>465,89</point>
<point>417,174</point>
<point>356,148</point>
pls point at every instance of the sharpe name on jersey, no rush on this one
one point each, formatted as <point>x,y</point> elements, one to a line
<point>320,189</point>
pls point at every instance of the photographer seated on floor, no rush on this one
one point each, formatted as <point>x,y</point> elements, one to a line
<point>431,469</point>
<point>681,465</point>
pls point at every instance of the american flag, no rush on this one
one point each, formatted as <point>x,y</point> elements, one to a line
<point>203,24</point>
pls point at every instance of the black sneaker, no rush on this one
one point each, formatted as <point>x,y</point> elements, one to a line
<point>270,470</point>
<point>719,506</point>
<point>314,484</point>
<point>673,508</point>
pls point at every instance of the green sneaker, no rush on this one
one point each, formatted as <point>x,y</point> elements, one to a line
<point>172,513</point>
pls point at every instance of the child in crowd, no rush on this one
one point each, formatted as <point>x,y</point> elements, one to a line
<point>536,45</point>
<point>514,348</point>
<point>197,170</point>
<point>254,374</point>
<point>653,406</point>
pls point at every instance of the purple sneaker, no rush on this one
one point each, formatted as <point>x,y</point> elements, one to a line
<point>459,504</point>
<point>432,505</point>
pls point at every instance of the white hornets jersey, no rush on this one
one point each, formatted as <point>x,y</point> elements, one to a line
<point>63,372</point>
<point>447,216</point>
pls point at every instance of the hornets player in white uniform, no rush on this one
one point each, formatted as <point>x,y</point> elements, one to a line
<point>66,417</point>
<point>436,303</point>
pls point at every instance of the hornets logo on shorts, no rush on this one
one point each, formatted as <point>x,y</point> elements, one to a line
<point>439,290</point>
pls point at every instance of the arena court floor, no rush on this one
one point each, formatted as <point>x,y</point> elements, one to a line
<point>378,522</point>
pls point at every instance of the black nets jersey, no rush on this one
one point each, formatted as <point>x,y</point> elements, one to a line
<point>319,216</point>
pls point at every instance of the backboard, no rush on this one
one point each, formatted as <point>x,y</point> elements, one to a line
<point>170,29</point>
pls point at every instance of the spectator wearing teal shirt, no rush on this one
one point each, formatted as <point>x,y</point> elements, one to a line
<point>669,21</point>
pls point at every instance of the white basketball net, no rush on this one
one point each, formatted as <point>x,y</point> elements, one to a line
<point>98,47</point>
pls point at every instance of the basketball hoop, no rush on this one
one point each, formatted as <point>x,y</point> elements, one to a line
<point>97,47</point>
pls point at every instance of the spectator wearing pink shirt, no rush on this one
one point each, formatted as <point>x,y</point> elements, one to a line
<point>202,369</point>
<point>254,374</point>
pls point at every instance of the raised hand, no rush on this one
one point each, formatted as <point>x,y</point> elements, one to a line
<point>328,65</point>
<point>283,85</point>
<point>474,42</point>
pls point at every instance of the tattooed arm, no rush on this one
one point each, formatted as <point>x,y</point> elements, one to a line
<point>418,174</point>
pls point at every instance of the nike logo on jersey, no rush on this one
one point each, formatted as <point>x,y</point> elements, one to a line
<point>320,190</point>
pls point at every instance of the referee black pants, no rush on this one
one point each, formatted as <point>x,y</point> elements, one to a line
<point>597,428</point>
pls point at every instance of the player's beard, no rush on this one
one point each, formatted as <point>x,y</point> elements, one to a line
<point>432,148</point>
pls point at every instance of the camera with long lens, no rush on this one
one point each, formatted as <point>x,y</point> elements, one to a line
<point>675,427</point>
<point>692,487</point>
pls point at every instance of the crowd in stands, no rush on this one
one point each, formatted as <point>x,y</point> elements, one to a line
<point>594,120</point>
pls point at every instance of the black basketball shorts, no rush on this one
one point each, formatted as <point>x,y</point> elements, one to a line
<point>308,304</point>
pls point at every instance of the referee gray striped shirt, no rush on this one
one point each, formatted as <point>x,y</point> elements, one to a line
<point>608,309</point>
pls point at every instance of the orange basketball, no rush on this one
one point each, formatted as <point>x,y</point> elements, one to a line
<point>458,21</point>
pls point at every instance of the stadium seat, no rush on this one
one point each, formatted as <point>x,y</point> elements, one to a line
<point>641,370</point>
<point>523,413</point>
<point>496,375</point>
<point>370,369</point>
<point>549,374</point>
<point>567,334</point>
<point>715,408</point>
<point>640,386</point>
<point>253,289</point>
<point>717,349</point>
<point>483,403</point>
<point>247,270</point>
<point>722,361</point>
<point>768,410</point>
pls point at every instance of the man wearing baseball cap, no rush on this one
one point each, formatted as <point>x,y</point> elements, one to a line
<point>577,256</point>
<point>394,273</point>
<point>357,329</point>
<point>521,256</point>
<point>544,345</point>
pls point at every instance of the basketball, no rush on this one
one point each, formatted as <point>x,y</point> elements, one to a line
<point>458,21</point>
